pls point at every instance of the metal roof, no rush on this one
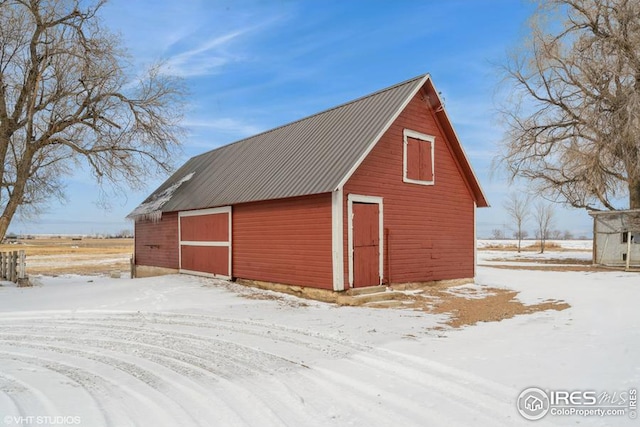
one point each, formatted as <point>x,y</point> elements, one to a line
<point>309,156</point>
<point>623,212</point>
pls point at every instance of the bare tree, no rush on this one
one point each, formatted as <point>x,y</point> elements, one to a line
<point>517,206</point>
<point>523,234</point>
<point>573,114</point>
<point>567,235</point>
<point>124,234</point>
<point>497,234</point>
<point>67,99</point>
<point>543,217</point>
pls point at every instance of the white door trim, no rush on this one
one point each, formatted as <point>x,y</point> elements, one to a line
<point>337,239</point>
<point>358,198</point>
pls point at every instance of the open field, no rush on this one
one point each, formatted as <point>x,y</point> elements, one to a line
<point>534,245</point>
<point>55,256</point>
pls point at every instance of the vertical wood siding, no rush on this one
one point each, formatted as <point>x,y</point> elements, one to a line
<point>430,227</point>
<point>157,242</point>
<point>284,241</point>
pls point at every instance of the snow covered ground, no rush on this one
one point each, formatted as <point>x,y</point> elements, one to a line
<point>583,245</point>
<point>566,258</point>
<point>186,351</point>
<point>565,252</point>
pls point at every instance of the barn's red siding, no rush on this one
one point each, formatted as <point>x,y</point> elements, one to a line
<point>202,228</point>
<point>430,228</point>
<point>206,259</point>
<point>157,242</point>
<point>284,241</point>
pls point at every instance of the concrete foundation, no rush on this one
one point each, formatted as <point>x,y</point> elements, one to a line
<point>140,271</point>
<point>356,296</point>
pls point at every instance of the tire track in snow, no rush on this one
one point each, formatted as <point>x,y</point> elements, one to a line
<point>66,336</point>
<point>203,370</point>
<point>9,388</point>
<point>310,339</point>
<point>218,357</point>
<point>439,385</point>
<point>172,396</point>
<point>398,393</point>
<point>158,409</point>
<point>97,387</point>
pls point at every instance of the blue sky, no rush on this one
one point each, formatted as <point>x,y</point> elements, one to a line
<point>254,65</point>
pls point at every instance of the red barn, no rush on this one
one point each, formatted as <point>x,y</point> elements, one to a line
<point>375,191</point>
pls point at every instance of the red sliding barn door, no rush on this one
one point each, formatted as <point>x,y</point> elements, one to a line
<point>205,242</point>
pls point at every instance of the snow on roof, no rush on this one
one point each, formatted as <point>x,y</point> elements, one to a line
<point>151,208</point>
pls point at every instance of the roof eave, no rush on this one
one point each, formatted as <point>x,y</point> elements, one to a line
<point>454,140</point>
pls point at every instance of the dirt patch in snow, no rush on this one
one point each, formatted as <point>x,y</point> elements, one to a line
<point>503,304</point>
<point>464,304</point>
<point>470,304</point>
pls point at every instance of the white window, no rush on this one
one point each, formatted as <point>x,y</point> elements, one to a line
<point>418,161</point>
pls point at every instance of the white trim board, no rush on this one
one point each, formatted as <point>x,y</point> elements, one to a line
<point>202,274</point>
<point>204,243</point>
<point>200,212</point>
<point>357,198</point>
<point>337,239</point>
<point>408,133</point>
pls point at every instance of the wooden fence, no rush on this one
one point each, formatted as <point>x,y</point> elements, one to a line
<point>12,266</point>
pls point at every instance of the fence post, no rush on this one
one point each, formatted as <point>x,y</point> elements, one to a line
<point>13,267</point>
<point>628,250</point>
<point>2,269</point>
<point>13,263</point>
<point>22,265</point>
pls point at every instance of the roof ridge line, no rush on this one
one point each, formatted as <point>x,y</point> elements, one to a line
<point>421,76</point>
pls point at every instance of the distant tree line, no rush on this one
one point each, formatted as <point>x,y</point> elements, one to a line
<point>500,234</point>
<point>122,234</point>
<point>521,209</point>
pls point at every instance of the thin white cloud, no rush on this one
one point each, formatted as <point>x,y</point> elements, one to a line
<point>206,51</point>
<point>204,59</point>
<point>224,124</point>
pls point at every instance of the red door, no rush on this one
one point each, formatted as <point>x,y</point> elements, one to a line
<point>366,244</point>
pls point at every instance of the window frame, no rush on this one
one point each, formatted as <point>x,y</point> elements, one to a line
<point>408,133</point>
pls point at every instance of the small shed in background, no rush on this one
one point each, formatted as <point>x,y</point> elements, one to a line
<point>616,238</point>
